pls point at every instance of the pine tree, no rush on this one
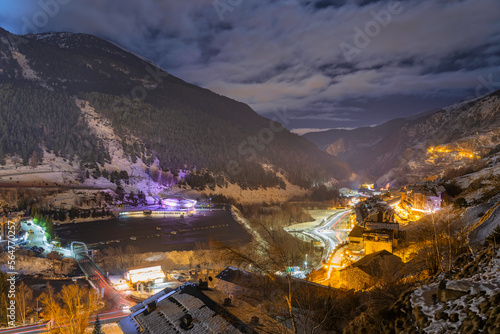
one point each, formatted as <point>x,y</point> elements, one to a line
<point>97,326</point>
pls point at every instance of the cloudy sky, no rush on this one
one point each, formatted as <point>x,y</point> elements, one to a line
<point>327,63</point>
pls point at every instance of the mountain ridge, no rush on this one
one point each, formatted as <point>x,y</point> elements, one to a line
<point>182,125</point>
<point>403,143</point>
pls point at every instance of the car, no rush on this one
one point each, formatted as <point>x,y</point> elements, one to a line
<point>37,249</point>
<point>125,308</point>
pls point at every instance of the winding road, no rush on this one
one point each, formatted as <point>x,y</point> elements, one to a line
<point>327,231</point>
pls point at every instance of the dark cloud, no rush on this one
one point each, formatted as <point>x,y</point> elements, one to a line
<point>289,54</point>
<point>321,4</point>
<point>468,59</point>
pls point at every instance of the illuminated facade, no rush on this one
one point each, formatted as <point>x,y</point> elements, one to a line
<point>178,203</point>
<point>14,226</point>
<point>425,197</point>
<point>368,186</point>
<point>375,229</point>
<point>168,206</point>
<point>145,274</point>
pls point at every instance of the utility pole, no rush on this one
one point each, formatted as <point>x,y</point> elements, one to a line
<point>449,241</point>
<point>438,261</point>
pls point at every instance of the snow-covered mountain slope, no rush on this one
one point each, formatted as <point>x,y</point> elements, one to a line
<point>154,115</point>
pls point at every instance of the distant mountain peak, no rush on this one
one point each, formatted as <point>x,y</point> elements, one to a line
<point>377,150</point>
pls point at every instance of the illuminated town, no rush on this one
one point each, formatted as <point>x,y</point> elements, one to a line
<point>447,153</point>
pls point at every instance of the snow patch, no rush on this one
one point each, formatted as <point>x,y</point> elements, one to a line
<point>103,129</point>
<point>485,282</point>
<point>28,72</point>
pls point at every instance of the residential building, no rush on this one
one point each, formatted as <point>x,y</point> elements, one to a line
<point>379,236</point>
<point>376,228</point>
<point>196,309</point>
<point>235,282</point>
<point>356,242</point>
<point>346,192</point>
<point>10,219</point>
<point>381,266</point>
<point>423,196</point>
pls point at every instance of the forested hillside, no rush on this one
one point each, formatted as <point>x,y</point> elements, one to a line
<point>33,117</point>
<point>156,114</point>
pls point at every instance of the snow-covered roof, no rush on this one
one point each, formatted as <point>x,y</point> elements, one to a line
<point>233,274</point>
<point>167,310</point>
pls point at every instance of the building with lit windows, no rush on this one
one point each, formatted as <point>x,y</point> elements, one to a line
<point>145,274</point>
<point>376,228</point>
<point>422,197</point>
<point>7,220</point>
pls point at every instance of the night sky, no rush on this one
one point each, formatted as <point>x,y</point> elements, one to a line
<point>325,63</point>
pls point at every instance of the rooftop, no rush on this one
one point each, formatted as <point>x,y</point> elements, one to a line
<point>165,311</point>
<point>233,275</point>
<point>356,232</point>
<point>373,263</point>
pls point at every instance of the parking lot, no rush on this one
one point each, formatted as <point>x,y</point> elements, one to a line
<point>33,238</point>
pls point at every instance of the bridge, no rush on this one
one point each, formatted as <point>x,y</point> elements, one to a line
<point>77,251</point>
<point>97,278</point>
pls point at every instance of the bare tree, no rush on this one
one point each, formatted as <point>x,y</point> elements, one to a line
<point>71,309</point>
<point>36,158</point>
<point>81,174</point>
<point>15,160</point>
<point>284,292</point>
<point>439,239</point>
<point>24,301</point>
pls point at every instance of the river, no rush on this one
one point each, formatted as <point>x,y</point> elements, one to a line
<point>157,234</point>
